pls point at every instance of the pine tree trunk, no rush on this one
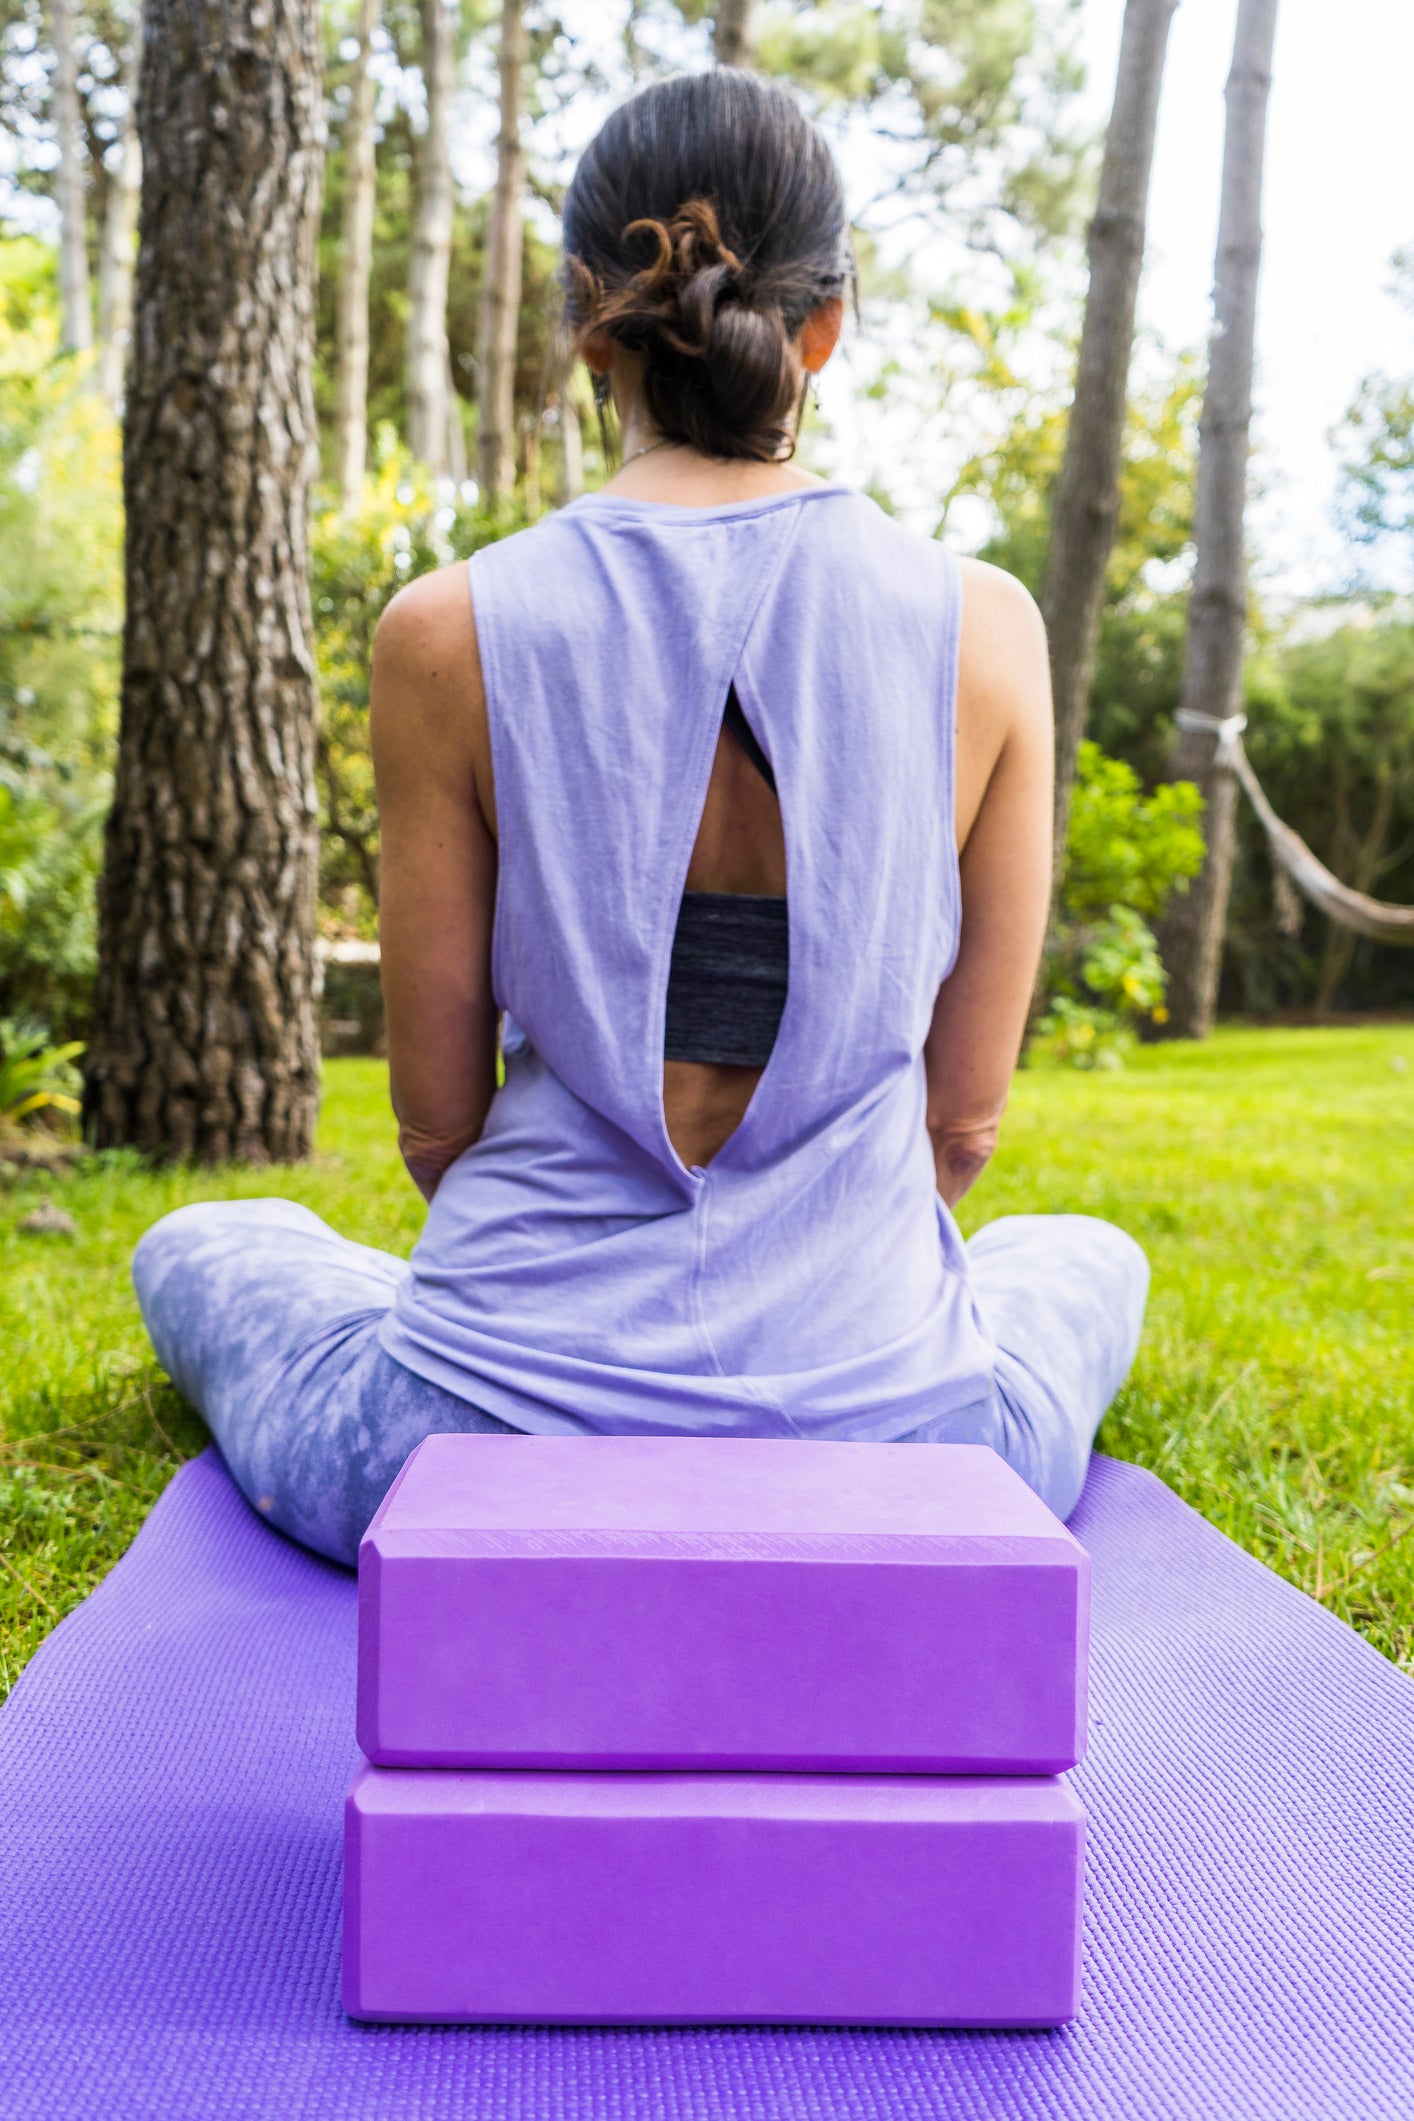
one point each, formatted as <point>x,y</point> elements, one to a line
<point>1086,506</point>
<point>1191,935</point>
<point>205,1041</point>
<point>500,297</point>
<point>732,42</point>
<point>76,324</point>
<point>431,247</point>
<point>355,264</point>
<point>456,433</point>
<point>119,242</point>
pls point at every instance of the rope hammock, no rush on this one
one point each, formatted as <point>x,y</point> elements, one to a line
<point>1351,909</point>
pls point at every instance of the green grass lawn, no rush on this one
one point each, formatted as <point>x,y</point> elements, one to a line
<point>1270,1176</point>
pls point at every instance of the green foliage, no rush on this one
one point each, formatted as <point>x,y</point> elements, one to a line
<point>400,528</point>
<point>1139,663</point>
<point>1116,961</point>
<point>60,624</point>
<point>1126,855</point>
<point>1331,736</point>
<point>1125,846</point>
<point>1379,469</point>
<point>36,1076</point>
<point>1377,437</point>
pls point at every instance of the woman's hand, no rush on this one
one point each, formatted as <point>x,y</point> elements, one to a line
<point>437,872</point>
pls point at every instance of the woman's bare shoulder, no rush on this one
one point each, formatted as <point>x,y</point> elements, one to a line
<point>426,691</point>
<point>427,621</point>
<point>1000,617</point>
<point>1002,663</point>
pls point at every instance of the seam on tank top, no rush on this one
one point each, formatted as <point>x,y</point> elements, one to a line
<point>490,684</point>
<point>702,1210</point>
<point>724,511</point>
<point>953,574</point>
<point>750,1387</point>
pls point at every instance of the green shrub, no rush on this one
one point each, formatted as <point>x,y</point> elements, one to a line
<point>1126,855</point>
<point>60,626</point>
<point>36,1077</point>
<point>402,527</point>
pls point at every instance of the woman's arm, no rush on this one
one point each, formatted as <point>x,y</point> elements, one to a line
<point>1004,776</point>
<point>437,884</point>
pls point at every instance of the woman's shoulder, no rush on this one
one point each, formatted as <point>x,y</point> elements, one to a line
<point>424,651</point>
<point>1002,608</point>
<point>1003,672</point>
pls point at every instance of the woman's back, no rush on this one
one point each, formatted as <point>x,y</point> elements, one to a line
<point>810,1267</point>
<point>760,1017</point>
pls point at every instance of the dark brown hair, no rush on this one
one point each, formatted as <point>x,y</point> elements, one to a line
<point>704,224</point>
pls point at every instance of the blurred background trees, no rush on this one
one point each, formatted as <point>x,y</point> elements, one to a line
<point>448,414</point>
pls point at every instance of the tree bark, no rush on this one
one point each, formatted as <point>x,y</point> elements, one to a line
<point>355,265</point>
<point>456,432</point>
<point>431,247</point>
<point>732,41</point>
<point>118,247</point>
<point>76,325</point>
<point>1086,505</point>
<point>500,297</point>
<point>205,1043</point>
<point>1191,934</point>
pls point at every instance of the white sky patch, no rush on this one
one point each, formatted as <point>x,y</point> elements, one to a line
<point>1338,202</point>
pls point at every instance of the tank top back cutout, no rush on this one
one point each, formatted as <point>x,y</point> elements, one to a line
<point>574,1275</point>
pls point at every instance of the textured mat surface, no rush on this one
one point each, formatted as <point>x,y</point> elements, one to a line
<point>172,1767</point>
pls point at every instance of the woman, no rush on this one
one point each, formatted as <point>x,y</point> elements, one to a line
<point>735,798</point>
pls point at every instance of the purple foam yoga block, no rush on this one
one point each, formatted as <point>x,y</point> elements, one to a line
<point>633,1602</point>
<point>671,1898</point>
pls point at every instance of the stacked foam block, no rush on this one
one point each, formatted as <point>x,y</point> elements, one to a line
<point>669,1730</point>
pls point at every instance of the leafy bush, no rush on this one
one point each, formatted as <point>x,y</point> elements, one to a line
<point>60,626</point>
<point>36,1077</point>
<point>1126,854</point>
<point>403,526</point>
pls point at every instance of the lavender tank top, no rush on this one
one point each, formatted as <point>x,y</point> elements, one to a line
<point>573,1274</point>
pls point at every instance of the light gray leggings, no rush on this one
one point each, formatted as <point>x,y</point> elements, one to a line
<point>267,1321</point>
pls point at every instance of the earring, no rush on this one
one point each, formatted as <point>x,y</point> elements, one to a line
<point>601,392</point>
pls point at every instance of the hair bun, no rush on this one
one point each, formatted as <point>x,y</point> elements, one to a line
<point>693,272</point>
<point>719,370</point>
<point>703,226</point>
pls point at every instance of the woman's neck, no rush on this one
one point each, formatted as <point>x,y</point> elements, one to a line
<point>654,469</point>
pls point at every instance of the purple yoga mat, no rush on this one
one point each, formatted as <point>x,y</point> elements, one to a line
<point>172,1771</point>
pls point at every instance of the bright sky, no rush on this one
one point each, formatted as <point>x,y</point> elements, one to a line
<point>1339,200</point>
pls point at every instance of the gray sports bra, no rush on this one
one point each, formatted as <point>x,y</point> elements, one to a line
<point>731,957</point>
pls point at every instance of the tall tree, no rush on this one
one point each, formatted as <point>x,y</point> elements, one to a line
<point>1085,510</point>
<point>77,318</point>
<point>356,262</point>
<point>500,294</point>
<point>431,245</point>
<point>117,246</point>
<point>1191,935</point>
<point>731,33</point>
<point>205,1042</point>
